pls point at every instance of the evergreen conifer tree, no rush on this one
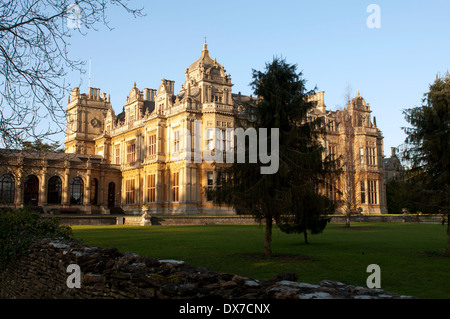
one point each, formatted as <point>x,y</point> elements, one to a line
<point>292,196</point>
<point>428,146</point>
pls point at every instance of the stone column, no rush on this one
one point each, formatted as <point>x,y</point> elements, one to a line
<point>43,187</point>
<point>66,188</point>
<point>145,145</point>
<point>85,126</point>
<point>101,188</point>
<point>159,184</point>
<point>188,184</point>
<point>87,188</point>
<point>138,147</point>
<point>196,184</point>
<point>182,185</point>
<point>107,150</point>
<point>138,189</point>
<point>122,192</point>
<point>18,199</point>
<point>123,152</point>
<point>168,178</point>
<point>144,186</point>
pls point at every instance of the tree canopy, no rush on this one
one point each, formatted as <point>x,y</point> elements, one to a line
<point>428,137</point>
<point>291,196</point>
<point>39,145</point>
<point>428,146</point>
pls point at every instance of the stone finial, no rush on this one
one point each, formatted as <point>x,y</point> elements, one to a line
<point>205,51</point>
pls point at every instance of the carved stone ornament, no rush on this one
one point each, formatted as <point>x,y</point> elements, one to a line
<point>95,122</point>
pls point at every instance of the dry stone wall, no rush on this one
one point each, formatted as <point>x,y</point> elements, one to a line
<point>108,273</point>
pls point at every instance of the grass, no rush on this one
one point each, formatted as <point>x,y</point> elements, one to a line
<point>410,255</point>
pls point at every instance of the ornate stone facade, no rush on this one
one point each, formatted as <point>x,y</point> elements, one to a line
<point>142,158</point>
<point>148,139</point>
<point>353,136</point>
<point>58,182</point>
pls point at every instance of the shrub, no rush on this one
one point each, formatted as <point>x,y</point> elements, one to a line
<point>18,228</point>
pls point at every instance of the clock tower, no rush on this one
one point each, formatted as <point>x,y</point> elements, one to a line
<point>85,117</point>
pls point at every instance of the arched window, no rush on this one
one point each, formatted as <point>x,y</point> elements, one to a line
<point>54,190</point>
<point>94,191</point>
<point>31,191</point>
<point>76,191</point>
<point>7,189</point>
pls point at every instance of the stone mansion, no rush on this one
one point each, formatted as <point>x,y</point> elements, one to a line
<point>138,159</point>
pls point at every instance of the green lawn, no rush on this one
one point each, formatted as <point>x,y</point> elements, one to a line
<point>410,255</point>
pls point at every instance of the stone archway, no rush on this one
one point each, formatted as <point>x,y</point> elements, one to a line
<point>111,194</point>
<point>31,191</point>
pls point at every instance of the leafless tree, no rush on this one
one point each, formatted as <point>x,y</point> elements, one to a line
<point>351,176</point>
<point>34,60</point>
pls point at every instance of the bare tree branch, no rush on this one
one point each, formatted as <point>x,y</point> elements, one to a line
<point>34,59</point>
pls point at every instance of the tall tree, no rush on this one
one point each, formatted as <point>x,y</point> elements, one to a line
<point>428,145</point>
<point>289,196</point>
<point>34,59</point>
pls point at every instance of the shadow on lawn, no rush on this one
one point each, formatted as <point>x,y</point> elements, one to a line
<point>436,253</point>
<point>356,227</point>
<point>274,257</point>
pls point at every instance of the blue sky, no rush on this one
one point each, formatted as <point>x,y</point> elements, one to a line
<point>330,41</point>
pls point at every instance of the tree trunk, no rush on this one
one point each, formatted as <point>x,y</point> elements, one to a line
<point>268,237</point>
<point>347,220</point>
<point>305,235</point>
